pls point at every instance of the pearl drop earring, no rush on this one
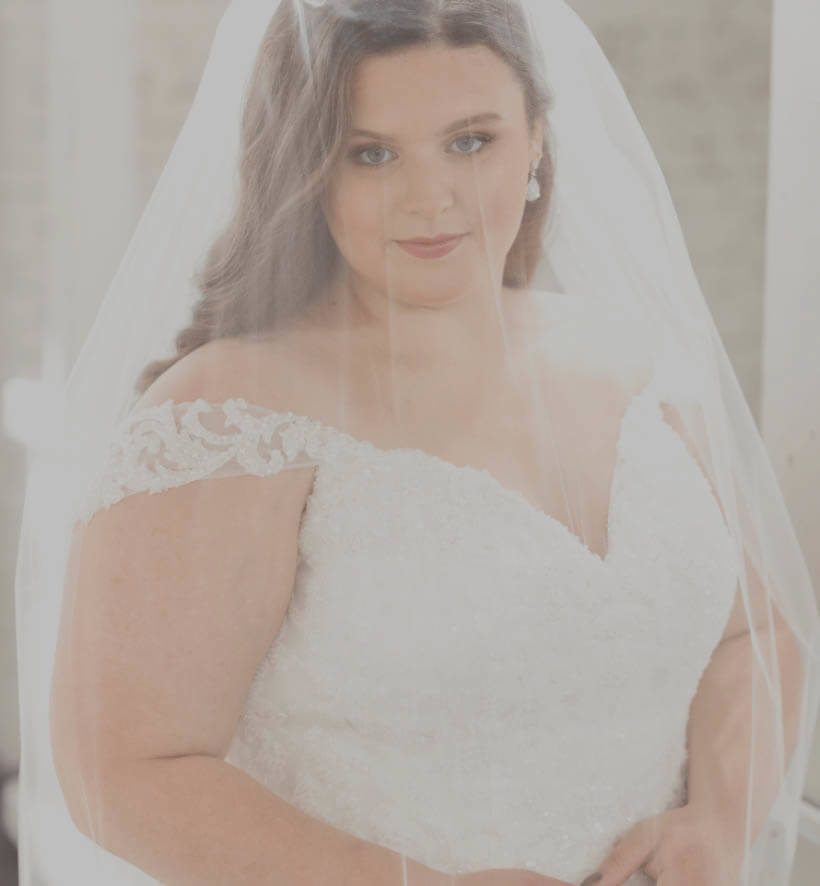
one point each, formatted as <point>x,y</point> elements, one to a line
<point>533,188</point>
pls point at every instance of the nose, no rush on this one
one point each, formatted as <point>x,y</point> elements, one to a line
<point>426,189</point>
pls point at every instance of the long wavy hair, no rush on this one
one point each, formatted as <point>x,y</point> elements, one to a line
<point>276,254</point>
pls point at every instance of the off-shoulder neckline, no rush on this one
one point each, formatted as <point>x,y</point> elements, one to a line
<point>430,458</point>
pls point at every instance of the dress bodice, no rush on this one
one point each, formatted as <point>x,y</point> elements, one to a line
<point>458,676</point>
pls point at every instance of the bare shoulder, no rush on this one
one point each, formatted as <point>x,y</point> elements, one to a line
<point>230,368</point>
<point>277,373</point>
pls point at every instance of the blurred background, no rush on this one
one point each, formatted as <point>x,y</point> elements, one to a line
<point>92,95</point>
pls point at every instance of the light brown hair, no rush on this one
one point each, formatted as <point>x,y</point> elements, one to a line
<point>277,255</point>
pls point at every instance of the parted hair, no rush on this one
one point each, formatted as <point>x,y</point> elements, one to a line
<point>276,254</point>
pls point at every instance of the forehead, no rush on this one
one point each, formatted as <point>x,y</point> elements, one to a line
<point>430,86</point>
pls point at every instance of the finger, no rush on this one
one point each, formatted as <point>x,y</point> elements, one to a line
<point>676,863</point>
<point>629,854</point>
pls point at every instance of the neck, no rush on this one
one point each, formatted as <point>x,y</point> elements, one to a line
<point>463,336</point>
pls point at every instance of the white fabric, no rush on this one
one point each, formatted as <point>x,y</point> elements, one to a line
<point>548,711</point>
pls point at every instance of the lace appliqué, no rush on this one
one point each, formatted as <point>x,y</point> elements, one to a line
<point>162,447</point>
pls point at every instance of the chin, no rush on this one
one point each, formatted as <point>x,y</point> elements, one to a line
<point>431,289</point>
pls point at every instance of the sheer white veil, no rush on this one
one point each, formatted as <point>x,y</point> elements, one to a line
<point>612,242</point>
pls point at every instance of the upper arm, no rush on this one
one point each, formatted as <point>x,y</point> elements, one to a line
<point>738,623</point>
<point>171,602</point>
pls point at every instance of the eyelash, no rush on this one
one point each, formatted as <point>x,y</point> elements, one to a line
<point>482,137</point>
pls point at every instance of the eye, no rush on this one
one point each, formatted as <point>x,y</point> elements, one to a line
<point>482,139</point>
<point>358,153</point>
<point>363,152</point>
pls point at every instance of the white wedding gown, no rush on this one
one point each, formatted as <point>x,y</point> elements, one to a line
<point>458,676</point>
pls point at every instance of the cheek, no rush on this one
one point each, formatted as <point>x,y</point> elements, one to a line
<point>497,205</point>
<point>358,210</point>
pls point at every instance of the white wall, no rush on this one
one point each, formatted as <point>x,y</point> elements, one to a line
<point>91,164</point>
<point>791,343</point>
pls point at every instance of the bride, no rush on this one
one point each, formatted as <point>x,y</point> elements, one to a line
<point>496,585</point>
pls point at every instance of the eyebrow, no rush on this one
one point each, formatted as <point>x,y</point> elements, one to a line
<point>486,117</point>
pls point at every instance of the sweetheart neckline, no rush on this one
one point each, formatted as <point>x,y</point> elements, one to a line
<point>507,491</point>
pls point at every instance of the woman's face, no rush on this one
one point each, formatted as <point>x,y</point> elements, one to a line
<point>421,171</point>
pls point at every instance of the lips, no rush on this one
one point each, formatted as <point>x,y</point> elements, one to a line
<point>436,241</point>
<point>438,248</point>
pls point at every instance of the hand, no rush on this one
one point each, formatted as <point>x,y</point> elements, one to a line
<point>507,877</point>
<point>680,847</point>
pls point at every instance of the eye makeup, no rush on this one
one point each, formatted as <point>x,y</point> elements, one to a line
<point>483,138</point>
